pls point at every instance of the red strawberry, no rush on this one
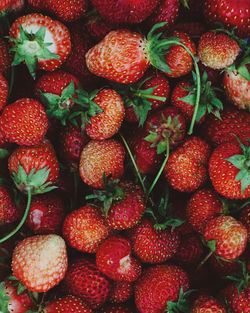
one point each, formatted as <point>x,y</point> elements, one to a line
<point>232,13</point>
<point>238,301</point>
<point>203,206</point>
<point>99,158</point>
<point>128,11</point>
<point>46,214</point>
<point>5,4</point>
<point>121,292</point>
<point>39,41</point>
<point>84,229</point>
<point>229,170</point>
<point>245,218</point>
<point>4,89</point>
<point>116,309</point>
<point>36,4</point>
<point>8,211</point>
<point>84,280</point>
<point>222,267</point>
<point>217,50</point>
<point>97,27</point>
<point>40,262</point>
<point>113,258</point>
<point>17,5</point>
<point>5,58</point>
<point>193,29</point>
<point>226,236</point>
<point>186,167</point>
<point>154,246</point>
<point>158,286</point>
<point>69,304</point>
<point>209,304</point>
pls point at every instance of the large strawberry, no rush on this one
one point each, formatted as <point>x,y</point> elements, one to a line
<point>205,303</point>
<point>8,210</point>
<point>40,262</point>
<point>69,304</point>
<point>39,41</point>
<point>84,229</point>
<point>229,170</point>
<point>4,89</point>
<point>24,122</point>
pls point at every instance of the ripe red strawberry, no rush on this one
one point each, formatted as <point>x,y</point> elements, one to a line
<point>128,11</point>
<point>193,29</point>
<point>121,292</point>
<point>5,58</point>
<point>24,122</point>
<point>8,210</point>
<point>46,214</point>
<point>113,258</point>
<point>203,206</point>
<point>217,50</point>
<point>4,89</point>
<point>84,280</point>
<point>107,123</point>
<point>69,304</point>
<point>109,308</point>
<point>39,41</point>
<point>84,229</point>
<point>158,286</point>
<point>232,13</point>
<point>99,158</point>
<point>237,89</point>
<point>229,170</point>
<point>186,169</point>
<point>5,4</point>
<point>245,218</point>
<point>12,300</point>
<point>40,262</point>
<point>231,124</point>
<point>238,301</point>
<point>154,246</point>
<point>226,236</point>
<point>209,304</point>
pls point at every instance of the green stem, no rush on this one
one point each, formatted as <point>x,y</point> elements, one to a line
<point>204,260</point>
<point>19,226</point>
<point>153,97</point>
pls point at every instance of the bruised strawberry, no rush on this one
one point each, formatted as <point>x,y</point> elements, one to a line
<point>69,304</point>
<point>8,210</point>
<point>121,292</point>
<point>4,89</point>
<point>209,304</point>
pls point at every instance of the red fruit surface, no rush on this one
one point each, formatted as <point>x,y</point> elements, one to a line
<point>121,292</point>
<point>238,302</point>
<point>245,218</point>
<point>69,304</point>
<point>8,210</point>
<point>207,304</point>
<point>4,89</point>
<point>5,58</point>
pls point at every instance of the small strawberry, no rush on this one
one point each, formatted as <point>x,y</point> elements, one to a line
<point>229,170</point>
<point>24,122</point>
<point>69,304</point>
<point>121,292</point>
<point>226,237</point>
<point>113,258</point>
<point>84,280</point>
<point>8,210</point>
<point>84,229</point>
<point>40,262</point>
<point>207,304</point>
<point>217,50</point>
<point>245,218</point>
<point>99,158</point>
<point>203,206</point>
<point>5,58</point>
<point>39,41</point>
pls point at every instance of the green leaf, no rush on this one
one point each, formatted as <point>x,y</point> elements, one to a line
<point>212,245</point>
<point>4,299</point>
<point>151,137</point>
<point>69,91</point>
<point>237,160</point>
<point>40,34</point>
<point>20,288</point>
<point>162,147</point>
<point>243,70</point>
<point>141,111</point>
<point>190,98</point>
<point>3,153</point>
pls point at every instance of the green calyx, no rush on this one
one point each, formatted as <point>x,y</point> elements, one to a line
<point>30,47</point>
<point>4,299</point>
<point>4,153</point>
<point>182,305</point>
<point>242,162</point>
<point>242,279</point>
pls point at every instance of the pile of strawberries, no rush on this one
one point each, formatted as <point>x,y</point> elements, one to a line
<point>124,156</point>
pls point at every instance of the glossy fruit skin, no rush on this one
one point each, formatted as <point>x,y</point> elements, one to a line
<point>154,246</point>
<point>207,304</point>
<point>24,122</point>
<point>202,207</point>
<point>113,258</point>
<point>112,58</point>
<point>69,304</point>
<point>4,89</point>
<point>217,50</point>
<point>121,292</point>
<point>5,58</point>
<point>99,157</point>
<point>84,229</point>
<point>167,281</point>
<point>245,218</point>
<point>128,11</point>
<point>238,302</point>
<point>222,173</point>
<point>84,280</point>
<point>230,236</point>
<point>40,262</point>
<point>107,123</point>
<point>8,210</point>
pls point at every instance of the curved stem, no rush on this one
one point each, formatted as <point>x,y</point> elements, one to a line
<point>19,226</point>
<point>204,260</point>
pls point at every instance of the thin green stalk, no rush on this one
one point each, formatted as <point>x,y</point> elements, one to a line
<point>141,95</point>
<point>19,226</point>
<point>204,260</point>
<point>12,78</point>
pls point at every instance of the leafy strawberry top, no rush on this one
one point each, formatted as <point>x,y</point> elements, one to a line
<point>242,279</point>
<point>182,305</point>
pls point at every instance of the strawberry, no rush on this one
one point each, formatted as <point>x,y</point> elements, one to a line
<point>24,122</point>
<point>36,4</point>
<point>5,58</point>
<point>229,170</point>
<point>203,206</point>
<point>97,27</point>
<point>185,170</point>
<point>84,229</point>
<point>238,301</point>
<point>217,50</point>
<point>46,214</point>
<point>226,237</point>
<point>40,262</point>
<point>245,218</point>
<point>17,6</point>
<point>205,303</point>
<point>232,13</point>
<point>8,210</point>
<point>39,41</point>
<point>116,309</point>
<point>222,267</point>
<point>151,245</point>
<point>113,258</point>
<point>193,29</point>
<point>99,158</point>
<point>158,287</point>
<point>121,292</point>
<point>5,4</point>
<point>69,304</point>
<point>4,89</point>
<point>84,280</point>
<point>128,11</point>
